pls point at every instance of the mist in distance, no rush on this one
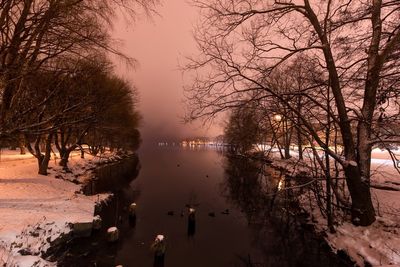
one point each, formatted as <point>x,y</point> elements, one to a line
<point>159,44</point>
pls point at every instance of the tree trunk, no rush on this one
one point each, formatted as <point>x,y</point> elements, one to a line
<point>65,156</point>
<point>362,209</point>
<point>287,151</point>
<point>364,150</point>
<point>62,147</point>
<point>299,143</point>
<point>329,210</point>
<point>43,166</point>
<point>363,212</point>
<point>64,161</point>
<point>280,149</point>
<point>287,136</point>
<point>7,94</point>
<point>82,151</point>
<point>298,129</point>
<point>44,159</point>
<point>39,158</point>
<point>21,143</point>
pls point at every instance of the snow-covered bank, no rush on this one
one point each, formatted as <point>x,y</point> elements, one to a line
<point>376,245</point>
<point>36,210</point>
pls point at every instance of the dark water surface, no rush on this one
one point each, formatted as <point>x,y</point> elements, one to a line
<point>252,225</point>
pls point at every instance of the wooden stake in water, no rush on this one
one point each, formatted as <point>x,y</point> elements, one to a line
<point>132,211</point>
<point>159,247</point>
<point>191,222</point>
<point>97,222</point>
<point>112,234</point>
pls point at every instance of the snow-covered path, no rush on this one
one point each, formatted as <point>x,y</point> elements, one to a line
<point>29,200</point>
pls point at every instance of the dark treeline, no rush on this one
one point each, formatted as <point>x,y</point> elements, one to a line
<point>58,90</point>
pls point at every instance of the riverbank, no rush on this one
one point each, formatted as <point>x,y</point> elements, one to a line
<point>36,211</point>
<point>375,245</point>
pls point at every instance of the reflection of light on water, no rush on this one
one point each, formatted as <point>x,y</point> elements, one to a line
<point>280,185</point>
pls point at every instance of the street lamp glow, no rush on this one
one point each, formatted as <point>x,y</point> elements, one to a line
<point>277,117</point>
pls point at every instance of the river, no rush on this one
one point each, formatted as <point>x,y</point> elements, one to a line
<point>242,219</point>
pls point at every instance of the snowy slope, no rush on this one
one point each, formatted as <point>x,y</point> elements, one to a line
<point>35,207</point>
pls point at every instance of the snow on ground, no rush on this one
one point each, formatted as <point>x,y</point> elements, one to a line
<point>36,209</point>
<point>378,244</point>
<point>382,167</point>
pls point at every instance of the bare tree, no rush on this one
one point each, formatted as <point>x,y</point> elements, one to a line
<point>35,32</point>
<point>243,131</point>
<point>88,100</point>
<point>355,42</point>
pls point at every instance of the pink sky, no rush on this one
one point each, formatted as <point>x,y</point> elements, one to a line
<point>158,44</point>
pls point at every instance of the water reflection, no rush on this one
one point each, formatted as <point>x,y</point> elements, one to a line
<point>259,191</point>
<point>216,210</point>
<point>95,251</point>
